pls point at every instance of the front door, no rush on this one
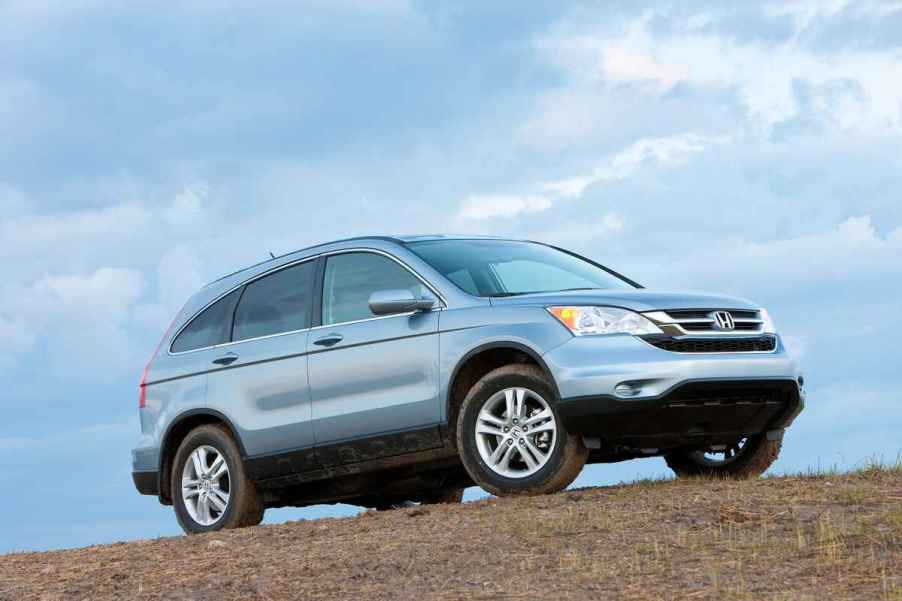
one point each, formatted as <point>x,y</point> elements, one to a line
<point>373,380</point>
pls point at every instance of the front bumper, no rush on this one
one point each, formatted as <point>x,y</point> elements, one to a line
<point>693,414</point>
<point>679,399</point>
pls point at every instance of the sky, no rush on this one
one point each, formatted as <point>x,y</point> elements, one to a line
<point>752,149</point>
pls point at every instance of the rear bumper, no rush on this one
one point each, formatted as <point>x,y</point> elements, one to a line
<point>147,483</point>
<point>694,413</point>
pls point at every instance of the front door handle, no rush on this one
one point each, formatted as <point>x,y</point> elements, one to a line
<point>330,340</point>
<point>226,359</point>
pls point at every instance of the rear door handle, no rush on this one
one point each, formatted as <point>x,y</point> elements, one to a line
<point>226,359</point>
<point>330,340</point>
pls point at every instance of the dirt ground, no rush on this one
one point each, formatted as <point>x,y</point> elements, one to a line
<point>822,537</point>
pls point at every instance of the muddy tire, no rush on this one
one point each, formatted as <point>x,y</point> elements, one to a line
<point>511,438</point>
<point>751,461</point>
<point>210,488</point>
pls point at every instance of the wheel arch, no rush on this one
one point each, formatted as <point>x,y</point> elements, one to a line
<point>479,361</point>
<point>176,432</point>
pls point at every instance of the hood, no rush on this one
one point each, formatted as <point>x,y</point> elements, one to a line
<point>636,300</point>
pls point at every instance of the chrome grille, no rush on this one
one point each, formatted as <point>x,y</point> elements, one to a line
<point>682,322</point>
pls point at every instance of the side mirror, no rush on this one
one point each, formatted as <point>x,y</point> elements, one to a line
<point>390,302</point>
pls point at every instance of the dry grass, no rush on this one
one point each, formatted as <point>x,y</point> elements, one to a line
<point>790,538</point>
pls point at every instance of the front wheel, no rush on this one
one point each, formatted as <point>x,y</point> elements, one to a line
<point>210,489</point>
<point>747,458</point>
<point>511,437</point>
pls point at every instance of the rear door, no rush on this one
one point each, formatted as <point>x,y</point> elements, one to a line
<point>262,386</point>
<point>373,380</point>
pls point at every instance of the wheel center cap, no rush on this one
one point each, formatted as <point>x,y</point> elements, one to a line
<point>515,432</point>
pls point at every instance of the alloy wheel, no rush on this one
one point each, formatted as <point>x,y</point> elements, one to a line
<point>516,432</point>
<point>206,485</point>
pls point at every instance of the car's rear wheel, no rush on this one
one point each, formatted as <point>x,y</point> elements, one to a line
<point>511,437</point>
<point>210,488</point>
<point>748,457</point>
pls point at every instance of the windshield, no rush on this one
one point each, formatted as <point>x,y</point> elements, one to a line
<point>510,268</point>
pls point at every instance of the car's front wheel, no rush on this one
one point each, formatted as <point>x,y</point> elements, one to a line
<point>210,488</point>
<point>511,437</point>
<point>746,458</point>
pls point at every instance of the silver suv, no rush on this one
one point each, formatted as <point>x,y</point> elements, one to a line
<point>384,371</point>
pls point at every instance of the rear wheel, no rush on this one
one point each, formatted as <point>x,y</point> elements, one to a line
<point>511,437</point>
<point>747,458</point>
<point>210,488</point>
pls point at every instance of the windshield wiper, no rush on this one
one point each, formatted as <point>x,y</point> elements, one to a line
<point>506,294</point>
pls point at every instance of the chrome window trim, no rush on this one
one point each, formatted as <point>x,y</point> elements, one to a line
<point>404,265</point>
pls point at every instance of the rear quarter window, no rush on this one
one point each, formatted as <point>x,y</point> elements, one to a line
<point>211,327</point>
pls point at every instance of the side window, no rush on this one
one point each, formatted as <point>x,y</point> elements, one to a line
<point>276,304</point>
<point>463,279</point>
<point>211,327</point>
<point>351,278</point>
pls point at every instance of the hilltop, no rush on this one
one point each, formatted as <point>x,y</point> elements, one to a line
<point>814,537</point>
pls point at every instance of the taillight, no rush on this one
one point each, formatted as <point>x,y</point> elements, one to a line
<point>142,387</point>
<point>142,397</point>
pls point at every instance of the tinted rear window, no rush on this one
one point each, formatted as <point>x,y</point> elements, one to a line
<point>277,303</point>
<point>210,328</point>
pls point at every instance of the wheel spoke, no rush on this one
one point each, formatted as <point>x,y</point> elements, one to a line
<point>490,429</point>
<point>498,452</point>
<point>190,493</point>
<point>218,474</point>
<point>509,403</point>
<point>218,503</point>
<point>199,458</point>
<point>527,455</point>
<point>203,510</point>
<point>548,426</point>
<point>485,416</point>
<point>520,407</point>
<point>543,415</point>
<point>539,455</point>
<point>217,463</point>
<point>504,464</point>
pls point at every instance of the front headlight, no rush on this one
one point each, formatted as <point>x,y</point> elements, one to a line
<point>768,325</point>
<point>586,321</point>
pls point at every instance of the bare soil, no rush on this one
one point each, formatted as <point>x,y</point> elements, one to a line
<point>822,537</point>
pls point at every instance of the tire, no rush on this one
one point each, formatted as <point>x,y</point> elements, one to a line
<point>751,461</point>
<point>562,463</point>
<point>243,506</point>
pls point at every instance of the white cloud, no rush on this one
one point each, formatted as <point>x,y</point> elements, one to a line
<point>73,312</point>
<point>29,234</point>
<point>490,206</point>
<point>855,89</point>
<point>666,151</point>
<point>187,206</point>
<point>851,257</point>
